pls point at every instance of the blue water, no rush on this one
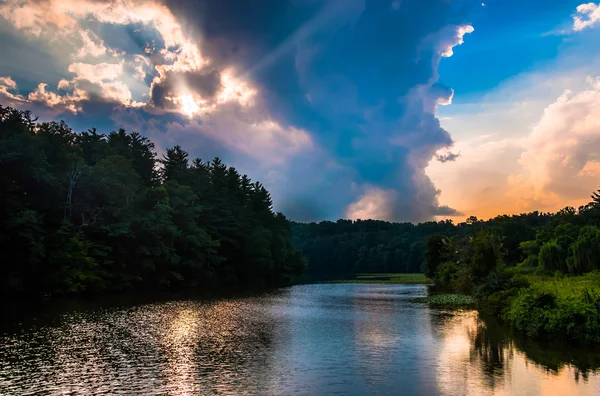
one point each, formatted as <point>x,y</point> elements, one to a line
<point>346,339</point>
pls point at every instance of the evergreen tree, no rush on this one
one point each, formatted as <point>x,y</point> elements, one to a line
<point>88,212</point>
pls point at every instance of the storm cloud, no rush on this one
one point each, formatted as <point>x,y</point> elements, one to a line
<point>332,103</point>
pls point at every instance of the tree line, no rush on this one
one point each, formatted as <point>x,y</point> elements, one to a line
<point>344,247</point>
<point>89,212</point>
<point>566,242</point>
<point>337,249</point>
<point>556,241</point>
<point>540,274</point>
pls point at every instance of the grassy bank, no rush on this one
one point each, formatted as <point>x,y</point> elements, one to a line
<point>395,279</point>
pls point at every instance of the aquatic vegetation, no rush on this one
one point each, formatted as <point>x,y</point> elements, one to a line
<point>387,278</point>
<point>447,300</point>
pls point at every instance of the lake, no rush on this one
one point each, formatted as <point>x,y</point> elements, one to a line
<point>344,339</point>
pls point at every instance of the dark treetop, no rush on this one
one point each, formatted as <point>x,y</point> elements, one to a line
<point>88,212</point>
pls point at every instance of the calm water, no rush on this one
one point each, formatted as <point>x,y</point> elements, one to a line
<point>304,340</point>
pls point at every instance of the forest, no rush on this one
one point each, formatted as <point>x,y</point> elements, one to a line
<point>337,249</point>
<point>88,213</point>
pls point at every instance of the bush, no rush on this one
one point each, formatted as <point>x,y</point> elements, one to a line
<point>559,309</point>
<point>451,276</point>
<point>495,294</point>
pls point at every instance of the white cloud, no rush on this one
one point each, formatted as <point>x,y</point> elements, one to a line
<point>59,102</point>
<point>564,145</point>
<point>140,64</point>
<point>458,39</point>
<point>97,73</point>
<point>68,21</point>
<point>40,96</point>
<point>373,204</point>
<point>512,164</point>
<point>35,17</point>
<point>247,132</point>
<point>102,79</point>
<point>7,84</point>
<point>178,64</point>
<point>91,45</point>
<point>587,16</point>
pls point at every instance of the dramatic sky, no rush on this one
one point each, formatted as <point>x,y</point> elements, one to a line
<point>404,110</point>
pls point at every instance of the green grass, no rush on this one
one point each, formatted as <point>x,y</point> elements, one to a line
<point>447,300</point>
<point>394,279</point>
<point>569,286</point>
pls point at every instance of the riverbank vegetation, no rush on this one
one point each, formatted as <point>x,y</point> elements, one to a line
<point>537,272</point>
<point>88,212</point>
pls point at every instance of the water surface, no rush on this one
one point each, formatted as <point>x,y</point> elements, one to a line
<point>346,339</point>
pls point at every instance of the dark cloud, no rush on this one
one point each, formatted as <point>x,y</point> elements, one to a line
<point>304,209</point>
<point>204,83</point>
<point>450,156</point>
<point>446,211</point>
<point>361,76</point>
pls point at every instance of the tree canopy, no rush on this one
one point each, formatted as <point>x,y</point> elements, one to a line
<point>89,212</point>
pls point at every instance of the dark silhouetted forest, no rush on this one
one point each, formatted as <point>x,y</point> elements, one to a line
<point>88,212</point>
<point>337,249</point>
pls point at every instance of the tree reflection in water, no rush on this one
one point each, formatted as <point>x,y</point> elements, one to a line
<point>494,344</point>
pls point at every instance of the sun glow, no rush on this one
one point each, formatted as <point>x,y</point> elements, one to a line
<point>235,89</point>
<point>188,105</point>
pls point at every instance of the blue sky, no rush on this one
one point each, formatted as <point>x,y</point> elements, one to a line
<point>401,110</point>
<point>512,37</point>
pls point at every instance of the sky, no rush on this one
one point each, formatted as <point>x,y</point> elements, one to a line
<point>400,110</point>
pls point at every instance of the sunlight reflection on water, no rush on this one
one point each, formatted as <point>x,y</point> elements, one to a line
<point>306,340</point>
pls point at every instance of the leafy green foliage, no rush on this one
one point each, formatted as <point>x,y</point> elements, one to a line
<point>535,284</point>
<point>567,308</point>
<point>87,212</point>
<point>585,251</point>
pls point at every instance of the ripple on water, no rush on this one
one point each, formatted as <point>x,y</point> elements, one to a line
<point>310,339</point>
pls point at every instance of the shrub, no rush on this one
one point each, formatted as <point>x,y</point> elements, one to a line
<point>567,309</point>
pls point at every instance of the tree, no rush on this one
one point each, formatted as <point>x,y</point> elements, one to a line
<point>586,251</point>
<point>437,249</point>
<point>89,212</point>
